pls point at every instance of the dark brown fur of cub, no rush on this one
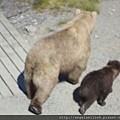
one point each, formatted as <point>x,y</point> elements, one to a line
<point>97,85</point>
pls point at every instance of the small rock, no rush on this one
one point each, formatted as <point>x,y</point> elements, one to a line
<point>14,21</point>
<point>113,10</point>
<point>26,41</point>
<point>21,17</point>
<point>27,15</point>
<point>95,36</point>
<point>110,13</point>
<point>30,29</point>
<point>116,35</point>
<point>34,21</point>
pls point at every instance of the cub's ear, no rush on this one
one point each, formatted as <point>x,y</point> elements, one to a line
<point>110,62</point>
<point>77,11</point>
<point>94,15</point>
<point>118,66</point>
<point>115,64</point>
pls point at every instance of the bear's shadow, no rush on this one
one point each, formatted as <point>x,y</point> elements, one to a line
<point>62,78</point>
<point>21,83</point>
<point>76,97</point>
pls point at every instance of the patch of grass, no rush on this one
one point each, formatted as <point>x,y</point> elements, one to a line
<point>88,5</point>
<point>50,29</point>
<point>63,22</point>
<point>1,4</point>
<point>0,1</point>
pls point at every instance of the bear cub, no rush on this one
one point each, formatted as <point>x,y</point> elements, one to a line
<point>97,85</point>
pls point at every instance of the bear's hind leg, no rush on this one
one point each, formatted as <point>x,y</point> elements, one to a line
<point>29,86</point>
<point>86,105</point>
<point>74,75</point>
<point>81,101</point>
<point>44,86</point>
<point>28,89</point>
<point>41,95</point>
<point>35,106</point>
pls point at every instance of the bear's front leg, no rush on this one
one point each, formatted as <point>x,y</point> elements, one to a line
<point>74,75</point>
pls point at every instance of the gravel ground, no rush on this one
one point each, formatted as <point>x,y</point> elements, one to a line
<point>105,45</point>
<point>31,24</point>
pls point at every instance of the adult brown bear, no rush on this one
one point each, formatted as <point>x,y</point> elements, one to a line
<point>66,51</point>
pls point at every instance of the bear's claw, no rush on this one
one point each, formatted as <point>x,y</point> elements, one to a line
<point>34,110</point>
<point>82,111</point>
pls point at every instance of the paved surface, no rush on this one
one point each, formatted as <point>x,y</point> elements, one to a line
<point>105,42</point>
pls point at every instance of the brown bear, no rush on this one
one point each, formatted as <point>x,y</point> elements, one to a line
<point>66,52</point>
<point>97,85</point>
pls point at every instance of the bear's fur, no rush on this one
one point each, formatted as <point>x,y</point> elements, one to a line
<point>66,52</point>
<point>97,85</point>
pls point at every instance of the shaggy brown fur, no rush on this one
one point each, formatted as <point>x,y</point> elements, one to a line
<point>66,51</point>
<point>97,85</point>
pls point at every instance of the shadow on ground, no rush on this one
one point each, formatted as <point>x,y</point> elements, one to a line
<point>21,83</point>
<point>62,78</point>
<point>76,95</point>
